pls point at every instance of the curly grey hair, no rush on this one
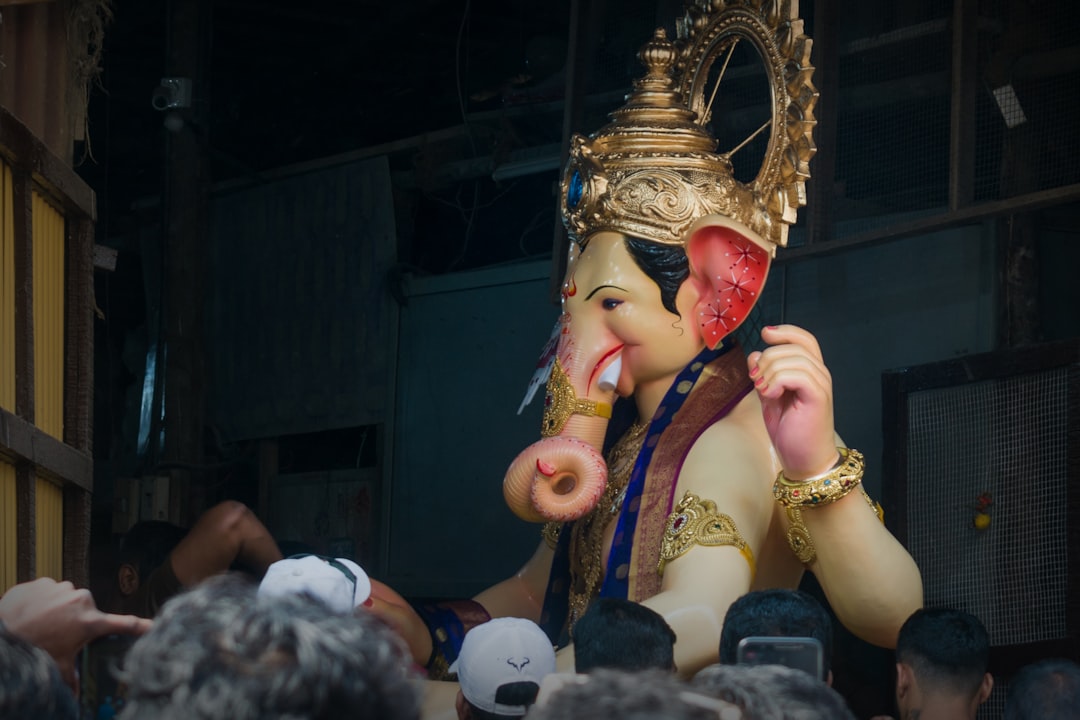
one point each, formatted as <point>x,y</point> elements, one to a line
<point>30,683</point>
<point>220,651</point>
<point>642,695</point>
<point>772,692</point>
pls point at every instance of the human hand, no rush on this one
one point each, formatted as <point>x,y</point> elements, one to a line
<point>390,607</point>
<point>795,389</point>
<point>61,620</point>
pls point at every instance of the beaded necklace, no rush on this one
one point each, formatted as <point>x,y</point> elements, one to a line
<point>587,538</point>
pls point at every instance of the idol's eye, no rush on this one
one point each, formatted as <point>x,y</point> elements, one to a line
<point>610,303</point>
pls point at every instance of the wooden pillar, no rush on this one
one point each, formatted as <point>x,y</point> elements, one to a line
<point>1020,318</point>
<point>25,476</point>
<point>185,209</point>
<point>26,522</point>
<point>965,42</point>
<point>77,512</point>
<point>22,220</point>
<point>78,392</point>
<point>79,334</point>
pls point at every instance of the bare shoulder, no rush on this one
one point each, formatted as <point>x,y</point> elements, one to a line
<point>732,461</point>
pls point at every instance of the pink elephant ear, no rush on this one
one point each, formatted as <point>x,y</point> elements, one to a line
<point>728,269</point>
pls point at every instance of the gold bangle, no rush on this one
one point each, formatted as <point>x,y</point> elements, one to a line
<point>825,488</point>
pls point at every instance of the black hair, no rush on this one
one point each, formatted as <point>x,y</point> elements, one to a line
<point>776,613</point>
<point>147,545</point>
<point>666,265</point>
<point>1046,690</point>
<point>946,649</point>
<point>521,694</point>
<point>624,635</point>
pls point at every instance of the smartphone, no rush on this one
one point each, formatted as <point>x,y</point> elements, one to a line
<point>801,653</point>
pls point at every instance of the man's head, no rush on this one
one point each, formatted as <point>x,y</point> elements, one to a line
<point>143,549</point>
<point>776,613</point>
<point>1046,690</point>
<point>30,683</point>
<point>645,695</point>
<point>500,667</point>
<point>616,633</point>
<point>941,657</point>
<point>221,651</point>
<point>772,692</point>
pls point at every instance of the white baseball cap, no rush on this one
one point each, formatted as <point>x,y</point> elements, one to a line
<point>338,582</point>
<point>500,652</point>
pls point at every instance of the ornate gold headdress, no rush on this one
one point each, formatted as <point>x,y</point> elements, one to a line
<point>654,170</point>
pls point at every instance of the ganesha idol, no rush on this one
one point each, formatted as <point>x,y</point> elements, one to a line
<point>727,475</point>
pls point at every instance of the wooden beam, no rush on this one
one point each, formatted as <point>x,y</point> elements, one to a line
<point>922,226</point>
<point>29,445</point>
<point>23,150</point>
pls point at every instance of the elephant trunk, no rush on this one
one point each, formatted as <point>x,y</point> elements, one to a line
<point>562,476</point>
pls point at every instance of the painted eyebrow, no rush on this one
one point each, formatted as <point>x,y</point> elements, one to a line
<point>601,287</point>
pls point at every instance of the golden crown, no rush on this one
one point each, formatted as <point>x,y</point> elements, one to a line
<point>654,170</point>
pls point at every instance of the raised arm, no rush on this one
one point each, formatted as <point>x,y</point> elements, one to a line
<point>225,534</point>
<point>869,578</point>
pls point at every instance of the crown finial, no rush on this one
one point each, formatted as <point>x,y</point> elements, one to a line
<point>658,56</point>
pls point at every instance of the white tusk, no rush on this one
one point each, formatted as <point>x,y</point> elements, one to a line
<point>610,377</point>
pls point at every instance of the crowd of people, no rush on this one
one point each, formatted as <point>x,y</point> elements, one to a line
<point>301,644</point>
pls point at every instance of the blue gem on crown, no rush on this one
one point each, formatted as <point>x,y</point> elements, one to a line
<point>576,189</point>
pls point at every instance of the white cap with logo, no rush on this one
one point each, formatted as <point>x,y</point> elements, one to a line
<point>500,652</point>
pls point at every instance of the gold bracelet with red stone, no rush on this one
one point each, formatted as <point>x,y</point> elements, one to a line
<point>823,489</point>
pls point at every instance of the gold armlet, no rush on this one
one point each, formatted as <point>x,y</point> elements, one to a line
<point>821,489</point>
<point>798,536</point>
<point>550,532</point>
<point>697,522</point>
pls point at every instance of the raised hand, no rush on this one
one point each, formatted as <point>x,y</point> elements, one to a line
<point>61,620</point>
<point>795,389</point>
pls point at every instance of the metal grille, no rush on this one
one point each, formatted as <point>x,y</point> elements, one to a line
<point>892,143</point>
<point>1007,438</point>
<point>1025,136</point>
<point>894,101</point>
